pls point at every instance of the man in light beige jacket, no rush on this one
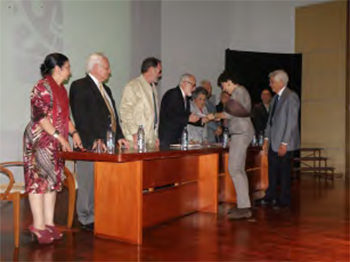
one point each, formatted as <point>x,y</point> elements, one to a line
<point>139,103</point>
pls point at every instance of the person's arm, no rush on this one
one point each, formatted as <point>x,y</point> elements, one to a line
<point>130,110</point>
<point>46,125</point>
<point>40,101</point>
<point>75,135</point>
<point>170,110</point>
<point>83,113</point>
<point>292,118</point>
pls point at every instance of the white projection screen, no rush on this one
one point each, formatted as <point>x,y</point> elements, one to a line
<point>32,29</point>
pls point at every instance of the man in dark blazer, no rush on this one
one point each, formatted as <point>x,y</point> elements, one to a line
<point>260,112</point>
<point>281,139</point>
<point>175,111</point>
<point>93,110</point>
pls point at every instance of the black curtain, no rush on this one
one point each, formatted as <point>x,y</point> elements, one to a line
<point>253,68</point>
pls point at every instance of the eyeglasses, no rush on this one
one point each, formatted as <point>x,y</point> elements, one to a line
<point>192,84</point>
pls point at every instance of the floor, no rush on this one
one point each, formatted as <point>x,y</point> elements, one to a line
<point>315,229</point>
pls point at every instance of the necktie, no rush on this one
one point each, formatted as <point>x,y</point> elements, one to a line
<point>155,110</point>
<point>110,109</point>
<point>274,108</point>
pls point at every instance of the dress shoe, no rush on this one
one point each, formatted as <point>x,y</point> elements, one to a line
<point>265,202</point>
<point>280,206</point>
<point>88,227</point>
<point>239,213</point>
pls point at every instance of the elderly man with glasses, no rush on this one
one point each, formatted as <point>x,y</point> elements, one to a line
<point>175,111</point>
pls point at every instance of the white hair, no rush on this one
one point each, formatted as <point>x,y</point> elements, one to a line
<point>279,75</point>
<point>93,59</point>
<point>205,81</point>
<point>185,77</point>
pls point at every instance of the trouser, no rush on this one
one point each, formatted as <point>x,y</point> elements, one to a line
<point>279,170</point>
<point>236,167</point>
<point>85,199</point>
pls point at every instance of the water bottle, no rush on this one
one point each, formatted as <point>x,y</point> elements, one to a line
<point>184,138</point>
<point>254,141</point>
<point>140,139</point>
<point>110,141</point>
<point>261,139</point>
<point>225,138</point>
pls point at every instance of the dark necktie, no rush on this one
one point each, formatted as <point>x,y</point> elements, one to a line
<point>274,108</point>
<point>155,110</point>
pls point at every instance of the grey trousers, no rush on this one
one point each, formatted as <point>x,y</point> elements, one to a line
<point>85,199</point>
<point>236,167</point>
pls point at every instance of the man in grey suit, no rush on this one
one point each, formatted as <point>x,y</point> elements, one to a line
<point>237,111</point>
<point>281,139</point>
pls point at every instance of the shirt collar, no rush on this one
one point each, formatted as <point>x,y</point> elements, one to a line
<point>281,91</point>
<point>145,81</point>
<point>183,93</point>
<point>97,83</point>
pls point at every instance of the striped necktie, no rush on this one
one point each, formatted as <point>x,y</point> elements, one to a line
<point>110,109</point>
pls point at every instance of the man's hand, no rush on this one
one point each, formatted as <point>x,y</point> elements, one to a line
<point>193,118</point>
<point>99,146</point>
<point>265,146</point>
<point>210,116</point>
<point>204,120</point>
<point>77,141</point>
<point>219,116</point>
<point>218,131</point>
<point>134,140</point>
<point>157,143</point>
<point>123,142</point>
<point>282,150</point>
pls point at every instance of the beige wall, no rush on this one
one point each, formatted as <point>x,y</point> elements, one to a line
<point>321,38</point>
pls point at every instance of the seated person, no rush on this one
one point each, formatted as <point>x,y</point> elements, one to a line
<point>198,134</point>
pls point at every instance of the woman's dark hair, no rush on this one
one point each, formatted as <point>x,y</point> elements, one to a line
<point>52,60</point>
<point>149,62</point>
<point>199,90</point>
<point>226,76</point>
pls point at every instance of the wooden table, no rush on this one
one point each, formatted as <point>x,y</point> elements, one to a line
<point>135,190</point>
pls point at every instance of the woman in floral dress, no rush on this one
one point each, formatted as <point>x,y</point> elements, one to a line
<point>45,135</point>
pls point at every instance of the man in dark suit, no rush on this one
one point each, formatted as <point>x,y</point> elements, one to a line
<point>260,112</point>
<point>281,139</point>
<point>175,111</point>
<point>93,110</point>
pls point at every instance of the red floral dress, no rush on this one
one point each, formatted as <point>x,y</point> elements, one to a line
<point>43,170</point>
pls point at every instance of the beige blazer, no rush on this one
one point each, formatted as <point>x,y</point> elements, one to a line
<point>137,108</point>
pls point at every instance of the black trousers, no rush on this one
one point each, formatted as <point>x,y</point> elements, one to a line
<point>279,171</point>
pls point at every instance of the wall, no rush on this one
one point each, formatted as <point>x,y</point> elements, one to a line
<point>321,37</point>
<point>264,26</point>
<point>145,32</point>
<point>194,39</point>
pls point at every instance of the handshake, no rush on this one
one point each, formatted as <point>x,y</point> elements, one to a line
<point>206,118</point>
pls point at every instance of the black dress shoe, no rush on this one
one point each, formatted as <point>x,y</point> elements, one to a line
<point>265,202</point>
<point>279,206</point>
<point>88,227</point>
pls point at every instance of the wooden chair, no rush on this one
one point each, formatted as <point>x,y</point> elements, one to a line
<point>15,191</point>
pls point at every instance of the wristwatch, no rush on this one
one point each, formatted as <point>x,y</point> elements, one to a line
<point>56,134</point>
<point>74,132</point>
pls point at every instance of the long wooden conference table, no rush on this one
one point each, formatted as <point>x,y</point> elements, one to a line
<point>135,190</point>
